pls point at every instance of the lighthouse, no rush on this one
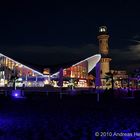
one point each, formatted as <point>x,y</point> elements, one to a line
<point>104,51</point>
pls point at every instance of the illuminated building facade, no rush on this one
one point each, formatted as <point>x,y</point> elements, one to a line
<point>120,78</point>
<point>11,70</point>
<point>78,73</point>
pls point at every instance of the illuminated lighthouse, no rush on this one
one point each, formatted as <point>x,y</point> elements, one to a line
<point>104,51</point>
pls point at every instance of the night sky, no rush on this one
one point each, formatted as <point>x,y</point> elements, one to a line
<point>55,33</point>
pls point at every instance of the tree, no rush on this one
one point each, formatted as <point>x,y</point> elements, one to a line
<point>110,75</point>
<point>13,79</point>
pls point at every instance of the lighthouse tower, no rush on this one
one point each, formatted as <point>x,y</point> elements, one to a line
<point>104,51</point>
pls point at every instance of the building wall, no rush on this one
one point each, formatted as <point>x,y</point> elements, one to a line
<point>104,67</point>
<point>77,71</point>
<point>11,70</point>
<point>103,44</point>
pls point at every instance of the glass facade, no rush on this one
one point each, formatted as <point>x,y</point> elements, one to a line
<point>13,73</point>
<point>77,71</point>
<point>12,70</point>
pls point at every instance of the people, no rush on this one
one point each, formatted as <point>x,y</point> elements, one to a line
<point>22,91</point>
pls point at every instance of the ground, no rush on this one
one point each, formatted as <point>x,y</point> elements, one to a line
<point>76,117</point>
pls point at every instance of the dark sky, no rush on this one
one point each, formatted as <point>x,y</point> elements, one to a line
<point>52,33</point>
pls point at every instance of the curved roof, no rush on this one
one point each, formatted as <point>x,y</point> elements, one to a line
<point>92,61</point>
<point>39,73</point>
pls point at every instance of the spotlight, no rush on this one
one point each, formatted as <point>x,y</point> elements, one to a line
<point>16,94</point>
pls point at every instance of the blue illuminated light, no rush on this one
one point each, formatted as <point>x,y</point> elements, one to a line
<point>16,94</point>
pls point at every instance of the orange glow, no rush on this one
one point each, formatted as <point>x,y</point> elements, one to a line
<point>46,71</point>
<point>77,71</point>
